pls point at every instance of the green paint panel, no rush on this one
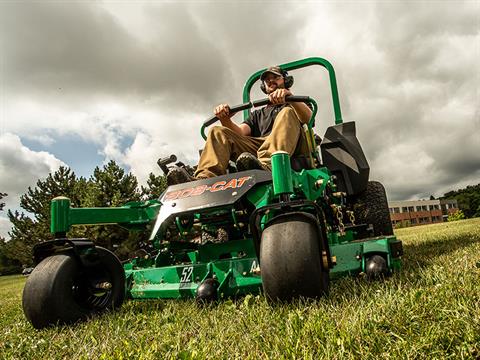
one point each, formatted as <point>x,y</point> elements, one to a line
<point>311,183</point>
<point>349,259</point>
<point>379,245</point>
<point>236,277</point>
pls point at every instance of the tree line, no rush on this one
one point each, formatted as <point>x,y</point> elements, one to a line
<point>468,200</point>
<point>108,186</point>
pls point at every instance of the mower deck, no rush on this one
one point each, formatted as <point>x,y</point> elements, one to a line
<point>239,272</point>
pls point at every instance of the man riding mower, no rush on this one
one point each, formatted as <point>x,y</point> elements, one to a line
<point>284,222</point>
<point>275,127</point>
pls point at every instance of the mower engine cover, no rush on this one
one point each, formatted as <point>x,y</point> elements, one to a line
<point>206,194</point>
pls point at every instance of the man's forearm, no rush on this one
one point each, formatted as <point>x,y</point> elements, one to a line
<point>232,126</point>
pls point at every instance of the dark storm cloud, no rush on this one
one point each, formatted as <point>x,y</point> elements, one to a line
<point>427,95</point>
<point>50,45</point>
<point>80,49</point>
<point>254,35</point>
<point>413,35</point>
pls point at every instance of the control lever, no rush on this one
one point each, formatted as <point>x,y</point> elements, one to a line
<point>163,162</point>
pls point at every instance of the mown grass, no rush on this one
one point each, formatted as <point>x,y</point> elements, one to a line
<point>430,310</point>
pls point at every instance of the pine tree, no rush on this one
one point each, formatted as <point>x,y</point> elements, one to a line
<point>34,228</point>
<point>2,195</point>
<point>60,183</point>
<point>24,235</point>
<point>156,185</point>
<point>8,265</point>
<point>112,187</point>
<point>109,187</point>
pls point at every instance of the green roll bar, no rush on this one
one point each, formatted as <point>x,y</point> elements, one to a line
<point>292,66</point>
<point>297,65</point>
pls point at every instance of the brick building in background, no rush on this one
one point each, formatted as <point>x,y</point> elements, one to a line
<point>420,212</point>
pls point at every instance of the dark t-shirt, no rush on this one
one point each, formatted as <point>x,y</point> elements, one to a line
<point>261,121</point>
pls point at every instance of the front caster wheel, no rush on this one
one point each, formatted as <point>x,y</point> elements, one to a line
<point>376,267</point>
<point>61,290</point>
<point>207,291</point>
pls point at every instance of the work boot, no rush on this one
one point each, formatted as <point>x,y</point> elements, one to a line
<point>178,175</point>
<point>247,161</point>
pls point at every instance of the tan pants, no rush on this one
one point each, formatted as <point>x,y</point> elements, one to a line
<point>224,144</point>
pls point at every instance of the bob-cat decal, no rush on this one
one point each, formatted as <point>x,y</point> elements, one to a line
<point>200,189</point>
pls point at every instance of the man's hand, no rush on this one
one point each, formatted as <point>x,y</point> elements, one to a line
<point>278,96</point>
<point>222,112</point>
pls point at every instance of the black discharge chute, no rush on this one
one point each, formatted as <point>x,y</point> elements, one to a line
<point>344,157</point>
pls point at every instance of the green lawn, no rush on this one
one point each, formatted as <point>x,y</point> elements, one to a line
<point>431,310</point>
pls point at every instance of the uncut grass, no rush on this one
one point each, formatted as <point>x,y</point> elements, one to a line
<point>431,309</point>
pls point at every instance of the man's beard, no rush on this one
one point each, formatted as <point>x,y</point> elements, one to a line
<point>270,90</point>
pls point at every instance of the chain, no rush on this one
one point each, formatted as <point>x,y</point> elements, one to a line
<point>341,226</point>
<point>351,216</point>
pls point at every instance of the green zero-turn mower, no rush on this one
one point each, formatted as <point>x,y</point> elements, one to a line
<point>286,232</point>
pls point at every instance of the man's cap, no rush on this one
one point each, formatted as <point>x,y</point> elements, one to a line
<point>272,70</point>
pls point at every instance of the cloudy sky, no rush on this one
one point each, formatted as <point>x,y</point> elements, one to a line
<point>82,82</point>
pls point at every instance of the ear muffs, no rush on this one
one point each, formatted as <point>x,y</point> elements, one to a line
<point>262,87</point>
<point>288,80</point>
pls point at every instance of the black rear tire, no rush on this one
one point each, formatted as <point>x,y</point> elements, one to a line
<point>290,258</point>
<point>61,291</point>
<point>371,207</point>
